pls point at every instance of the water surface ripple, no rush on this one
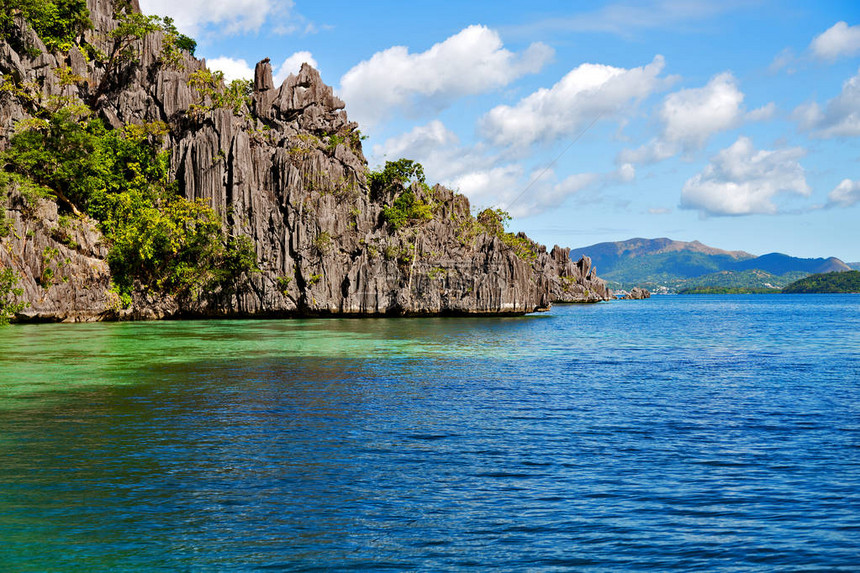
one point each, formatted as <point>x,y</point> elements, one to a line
<point>691,433</point>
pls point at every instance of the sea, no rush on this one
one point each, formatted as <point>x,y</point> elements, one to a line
<point>694,433</point>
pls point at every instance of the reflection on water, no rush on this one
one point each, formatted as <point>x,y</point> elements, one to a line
<point>701,432</point>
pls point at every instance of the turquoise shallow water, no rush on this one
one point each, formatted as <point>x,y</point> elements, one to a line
<point>708,433</point>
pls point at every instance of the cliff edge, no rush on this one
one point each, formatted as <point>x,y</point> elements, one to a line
<point>281,166</point>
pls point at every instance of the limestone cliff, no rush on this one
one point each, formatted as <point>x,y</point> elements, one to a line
<point>286,169</point>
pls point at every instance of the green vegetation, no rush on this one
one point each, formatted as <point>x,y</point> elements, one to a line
<point>213,94</point>
<point>407,209</point>
<point>401,173</point>
<point>437,273</point>
<point>8,292</point>
<point>284,284</point>
<point>493,222</point>
<point>836,282</point>
<point>57,22</point>
<point>119,177</point>
<point>175,44</point>
<point>404,179</point>
<point>322,243</point>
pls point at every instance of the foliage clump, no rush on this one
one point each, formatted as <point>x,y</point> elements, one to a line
<point>175,44</point>
<point>57,22</point>
<point>402,178</point>
<point>835,282</point>
<point>8,292</point>
<point>398,173</point>
<point>214,94</point>
<point>406,209</point>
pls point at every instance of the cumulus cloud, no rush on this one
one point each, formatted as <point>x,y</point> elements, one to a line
<point>764,113</point>
<point>691,116</point>
<point>586,93</point>
<point>741,180</point>
<point>233,69</point>
<point>472,61</point>
<point>845,194</point>
<point>838,40</point>
<point>522,194</point>
<point>233,16</point>
<point>487,177</point>
<point>840,117</point>
<point>434,145</point>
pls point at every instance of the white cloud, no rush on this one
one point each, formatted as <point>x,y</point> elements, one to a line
<point>509,187</point>
<point>233,16</point>
<point>626,173</point>
<point>579,98</point>
<point>690,117</point>
<point>839,40</point>
<point>845,194</point>
<point>432,144</point>
<point>234,69</point>
<point>840,116</point>
<point>764,113</point>
<point>292,65</point>
<point>741,180</point>
<point>470,62</point>
<point>486,177</point>
<point>785,60</point>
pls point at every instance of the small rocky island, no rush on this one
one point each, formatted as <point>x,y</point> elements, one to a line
<point>136,184</point>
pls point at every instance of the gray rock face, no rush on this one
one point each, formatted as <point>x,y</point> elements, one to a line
<point>60,261</point>
<point>638,293</point>
<point>288,172</point>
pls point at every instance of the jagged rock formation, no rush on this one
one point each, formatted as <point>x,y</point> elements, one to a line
<point>287,171</point>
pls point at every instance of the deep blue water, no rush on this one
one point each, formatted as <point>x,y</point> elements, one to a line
<point>713,433</point>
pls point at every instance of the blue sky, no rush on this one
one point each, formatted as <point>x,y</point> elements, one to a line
<point>736,123</point>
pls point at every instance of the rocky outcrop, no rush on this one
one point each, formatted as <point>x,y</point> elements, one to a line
<point>287,170</point>
<point>638,293</point>
<point>61,262</point>
<point>575,282</point>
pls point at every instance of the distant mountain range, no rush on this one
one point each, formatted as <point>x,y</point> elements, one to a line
<point>664,265</point>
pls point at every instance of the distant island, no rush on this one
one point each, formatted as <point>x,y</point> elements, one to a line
<point>666,266</point>
<point>844,282</point>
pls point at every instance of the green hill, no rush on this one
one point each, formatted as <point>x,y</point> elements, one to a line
<point>844,282</point>
<point>665,265</point>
